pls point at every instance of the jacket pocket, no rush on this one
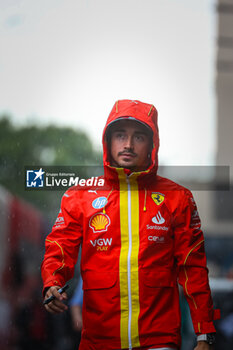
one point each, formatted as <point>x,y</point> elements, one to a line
<point>159,277</point>
<point>99,280</point>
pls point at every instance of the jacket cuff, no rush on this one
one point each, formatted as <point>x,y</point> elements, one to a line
<point>203,321</point>
<point>204,327</point>
<point>52,282</point>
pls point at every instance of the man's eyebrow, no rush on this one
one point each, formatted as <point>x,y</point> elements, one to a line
<point>119,130</point>
<point>141,132</point>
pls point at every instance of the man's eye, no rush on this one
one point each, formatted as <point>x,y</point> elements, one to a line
<point>119,135</point>
<point>139,138</point>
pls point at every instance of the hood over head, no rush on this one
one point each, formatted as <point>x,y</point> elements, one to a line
<point>138,111</point>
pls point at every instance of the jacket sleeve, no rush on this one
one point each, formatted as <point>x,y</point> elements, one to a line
<point>191,261</point>
<point>62,244</point>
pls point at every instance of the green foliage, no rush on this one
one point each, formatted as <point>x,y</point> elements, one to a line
<point>34,145</point>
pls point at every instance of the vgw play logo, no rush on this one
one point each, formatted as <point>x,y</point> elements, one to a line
<point>35,178</point>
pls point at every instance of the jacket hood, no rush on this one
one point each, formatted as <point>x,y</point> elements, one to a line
<point>140,112</point>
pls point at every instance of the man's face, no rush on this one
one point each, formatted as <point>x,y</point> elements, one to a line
<point>130,145</point>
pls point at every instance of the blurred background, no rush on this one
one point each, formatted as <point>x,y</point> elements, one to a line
<point>63,64</point>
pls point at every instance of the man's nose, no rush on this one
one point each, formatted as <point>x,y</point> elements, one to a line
<point>129,142</point>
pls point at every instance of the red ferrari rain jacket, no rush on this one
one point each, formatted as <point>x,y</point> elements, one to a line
<point>140,237</point>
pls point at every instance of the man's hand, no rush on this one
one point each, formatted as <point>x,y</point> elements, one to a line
<point>203,345</point>
<point>56,306</point>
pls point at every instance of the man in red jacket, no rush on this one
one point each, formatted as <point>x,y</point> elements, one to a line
<point>140,240</point>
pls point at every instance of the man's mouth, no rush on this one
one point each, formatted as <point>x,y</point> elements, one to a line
<point>127,154</point>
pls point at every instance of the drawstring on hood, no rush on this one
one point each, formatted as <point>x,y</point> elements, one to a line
<point>144,207</point>
<point>104,211</point>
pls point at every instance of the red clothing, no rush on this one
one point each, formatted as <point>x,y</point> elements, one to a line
<point>136,244</point>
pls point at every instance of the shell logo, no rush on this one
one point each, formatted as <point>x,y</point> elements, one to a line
<point>99,222</point>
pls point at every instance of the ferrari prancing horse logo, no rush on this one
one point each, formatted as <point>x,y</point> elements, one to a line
<point>157,197</point>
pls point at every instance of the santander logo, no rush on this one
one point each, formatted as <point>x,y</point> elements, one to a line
<point>158,219</point>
